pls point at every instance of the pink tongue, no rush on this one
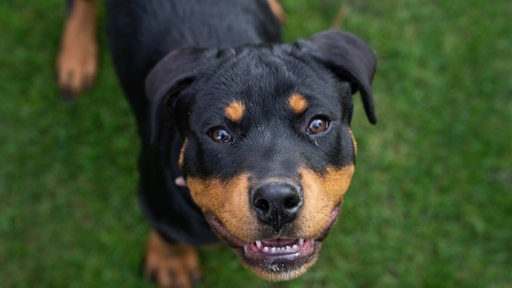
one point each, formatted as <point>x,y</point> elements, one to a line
<point>279,242</point>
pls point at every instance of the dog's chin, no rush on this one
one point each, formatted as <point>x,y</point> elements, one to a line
<point>275,259</point>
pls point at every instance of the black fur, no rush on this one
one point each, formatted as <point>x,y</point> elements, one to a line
<point>140,33</point>
<point>219,54</point>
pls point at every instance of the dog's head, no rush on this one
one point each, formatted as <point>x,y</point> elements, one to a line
<point>268,152</point>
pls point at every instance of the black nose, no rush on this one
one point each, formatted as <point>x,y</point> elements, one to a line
<point>276,203</point>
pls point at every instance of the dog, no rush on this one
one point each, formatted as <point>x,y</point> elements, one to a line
<point>259,130</point>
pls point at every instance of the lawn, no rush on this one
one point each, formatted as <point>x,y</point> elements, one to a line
<point>430,204</point>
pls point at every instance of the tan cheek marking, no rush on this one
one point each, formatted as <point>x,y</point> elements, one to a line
<point>235,111</point>
<point>181,158</point>
<point>353,140</point>
<point>228,201</point>
<point>321,195</point>
<point>298,103</point>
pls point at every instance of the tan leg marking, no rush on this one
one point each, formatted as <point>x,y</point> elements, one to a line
<point>277,9</point>
<point>171,265</point>
<point>77,62</point>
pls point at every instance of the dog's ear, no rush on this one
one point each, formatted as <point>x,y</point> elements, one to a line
<point>348,57</point>
<point>170,76</point>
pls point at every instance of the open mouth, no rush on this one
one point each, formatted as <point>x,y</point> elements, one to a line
<point>276,248</point>
<point>278,258</point>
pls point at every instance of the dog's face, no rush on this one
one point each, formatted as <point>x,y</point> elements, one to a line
<point>268,152</point>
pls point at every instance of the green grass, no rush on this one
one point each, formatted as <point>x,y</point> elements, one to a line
<point>430,204</point>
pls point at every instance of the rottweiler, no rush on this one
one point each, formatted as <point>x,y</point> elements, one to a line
<point>259,130</point>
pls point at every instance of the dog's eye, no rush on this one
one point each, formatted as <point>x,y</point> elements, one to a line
<point>318,125</point>
<point>220,135</point>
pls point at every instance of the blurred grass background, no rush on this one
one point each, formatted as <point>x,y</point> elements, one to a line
<point>430,204</point>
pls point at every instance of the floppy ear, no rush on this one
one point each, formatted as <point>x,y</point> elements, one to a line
<point>174,73</point>
<point>348,57</point>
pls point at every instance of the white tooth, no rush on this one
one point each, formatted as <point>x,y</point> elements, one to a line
<point>301,242</point>
<point>258,244</point>
<point>273,250</point>
<point>288,248</point>
<point>266,250</point>
<point>295,247</point>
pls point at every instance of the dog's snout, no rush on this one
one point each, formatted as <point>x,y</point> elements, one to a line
<point>276,203</point>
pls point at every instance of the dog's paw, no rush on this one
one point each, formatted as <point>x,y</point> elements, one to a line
<point>77,61</point>
<point>171,265</point>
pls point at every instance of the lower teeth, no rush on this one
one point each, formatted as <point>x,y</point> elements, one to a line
<point>277,250</point>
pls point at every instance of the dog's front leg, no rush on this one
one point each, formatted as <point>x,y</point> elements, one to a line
<point>77,61</point>
<point>171,265</point>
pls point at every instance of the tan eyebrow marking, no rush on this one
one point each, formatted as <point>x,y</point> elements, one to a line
<point>297,103</point>
<point>235,111</point>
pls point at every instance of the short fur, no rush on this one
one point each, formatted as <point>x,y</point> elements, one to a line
<point>142,32</point>
<point>260,130</point>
